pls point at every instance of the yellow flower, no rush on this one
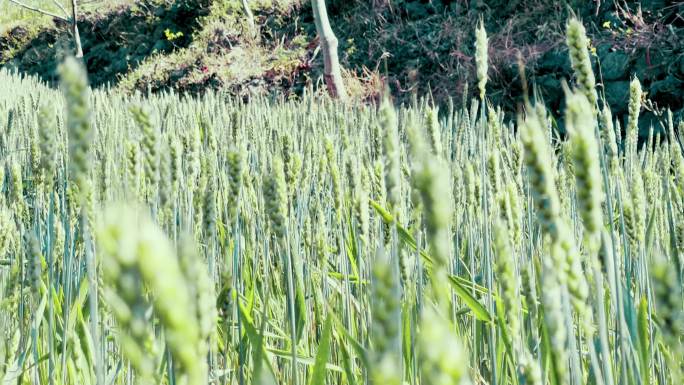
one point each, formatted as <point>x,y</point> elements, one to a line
<point>170,35</point>
<point>606,24</point>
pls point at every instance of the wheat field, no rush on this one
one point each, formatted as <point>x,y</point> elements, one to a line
<point>163,239</point>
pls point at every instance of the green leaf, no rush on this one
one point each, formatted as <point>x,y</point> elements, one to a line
<point>302,360</point>
<point>406,335</point>
<point>352,250</point>
<point>356,346</point>
<point>300,308</point>
<point>504,336</point>
<point>346,362</point>
<point>87,343</point>
<point>404,235</point>
<point>255,339</point>
<point>473,304</point>
<point>40,312</point>
<point>78,304</point>
<point>318,376</point>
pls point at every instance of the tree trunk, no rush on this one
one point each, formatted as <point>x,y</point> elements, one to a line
<point>332,71</point>
<point>74,30</point>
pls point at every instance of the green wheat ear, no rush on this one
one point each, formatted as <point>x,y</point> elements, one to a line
<point>391,152</point>
<point>386,324</point>
<point>332,165</point>
<point>17,184</point>
<point>609,139</point>
<point>481,58</point>
<point>442,358</point>
<point>235,171</point>
<point>435,190</point>
<point>632,129</point>
<point>578,47</point>
<point>275,197</point>
<point>667,290</point>
<point>124,292</point>
<point>541,174</point>
<point>80,132</point>
<point>507,280</point>
<point>433,130</point>
<point>137,253</point>
<point>166,190</point>
<point>580,123</point>
<point>143,117</point>
<point>202,295</point>
<point>361,205</point>
<point>209,198</point>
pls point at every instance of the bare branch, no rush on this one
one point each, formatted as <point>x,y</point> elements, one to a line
<point>61,7</point>
<point>35,9</point>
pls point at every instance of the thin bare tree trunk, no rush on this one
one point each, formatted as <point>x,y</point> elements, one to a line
<point>74,30</point>
<point>332,70</point>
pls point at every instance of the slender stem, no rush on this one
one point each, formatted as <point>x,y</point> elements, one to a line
<point>39,10</point>
<point>51,305</point>
<point>91,269</point>
<point>291,307</point>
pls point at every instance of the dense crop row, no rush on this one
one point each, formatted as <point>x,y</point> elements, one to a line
<point>312,242</point>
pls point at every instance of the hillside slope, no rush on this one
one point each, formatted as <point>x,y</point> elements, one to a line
<point>417,47</point>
